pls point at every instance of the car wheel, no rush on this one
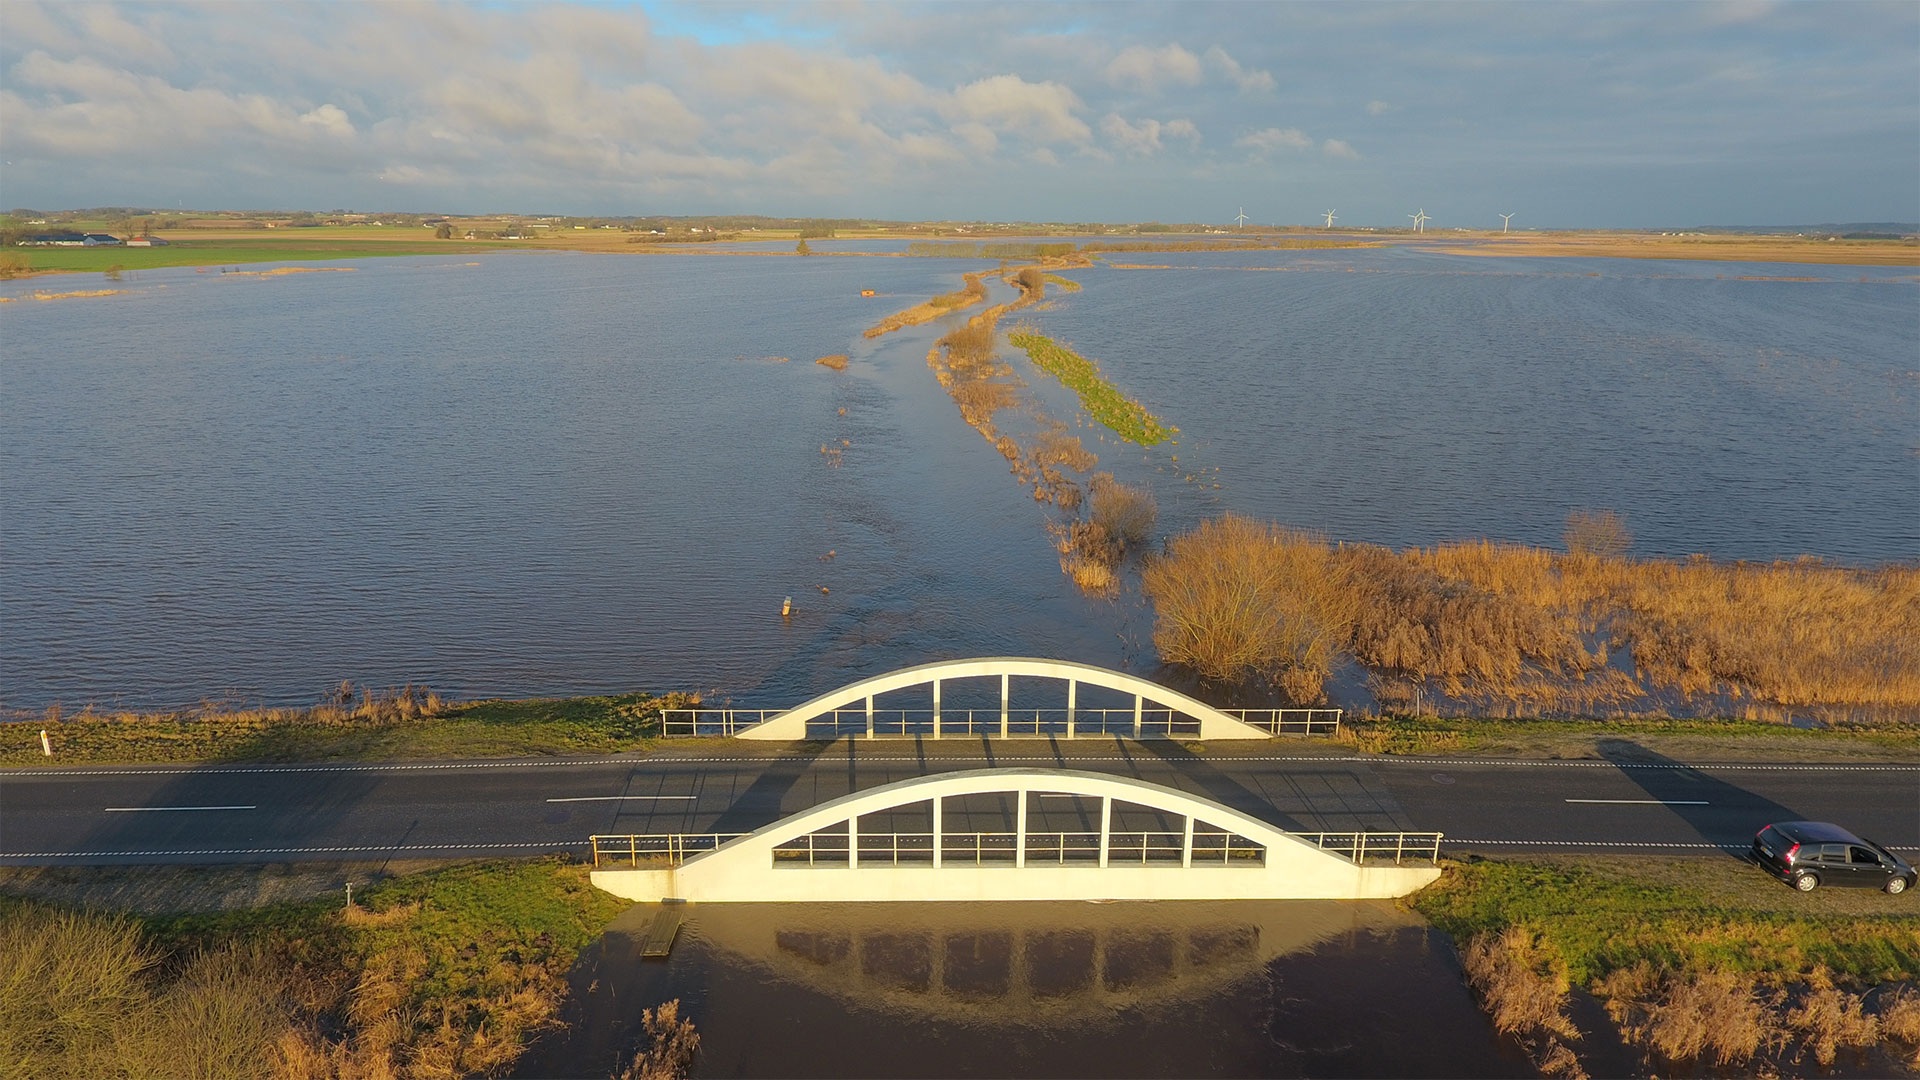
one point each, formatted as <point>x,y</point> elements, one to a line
<point>1806,882</point>
<point>1896,886</point>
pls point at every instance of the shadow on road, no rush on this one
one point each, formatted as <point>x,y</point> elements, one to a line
<point>1723,814</point>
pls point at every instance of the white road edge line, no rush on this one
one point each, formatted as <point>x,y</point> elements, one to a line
<point>150,809</point>
<point>1644,802</point>
<point>618,798</point>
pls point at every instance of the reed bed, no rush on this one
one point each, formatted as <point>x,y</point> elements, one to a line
<point>1488,623</point>
<point>837,362</point>
<point>974,292</point>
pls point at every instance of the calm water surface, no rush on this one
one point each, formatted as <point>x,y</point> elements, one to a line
<point>553,473</point>
<point>1279,989</point>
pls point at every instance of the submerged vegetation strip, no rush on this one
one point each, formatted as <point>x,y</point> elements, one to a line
<point>1121,414</point>
<point>972,293</point>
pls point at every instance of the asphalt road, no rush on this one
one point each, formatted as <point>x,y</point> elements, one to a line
<point>237,814</point>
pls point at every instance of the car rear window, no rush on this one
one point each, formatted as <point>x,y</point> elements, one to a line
<point>1775,843</point>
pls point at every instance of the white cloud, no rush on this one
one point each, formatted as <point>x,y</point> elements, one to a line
<point>1142,139</point>
<point>1149,69</point>
<point>1378,108</point>
<point>1267,140</point>
<point>1042,111</point>
<point>330,119</point>
<point>1337,148</point>
<point>1249,80</point>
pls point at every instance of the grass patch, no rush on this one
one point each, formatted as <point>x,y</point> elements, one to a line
<point>1692,739</point>
<point>328,732</point>
<point>1063,283</point>
<point>445,973</point>
<point>1696,960</point>
<point>1121,414</point>
<point>226,252</point>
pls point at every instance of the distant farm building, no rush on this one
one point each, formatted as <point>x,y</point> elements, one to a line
<point>146,241</point>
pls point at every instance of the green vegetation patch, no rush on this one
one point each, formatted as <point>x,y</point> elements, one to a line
<point>230,252</point>
<point>1686,916</point>
<point>1123,415</point>
<point>583,725</point>
<point>445,973</point>
<point>1696,738</point>
<point>1066,284</point>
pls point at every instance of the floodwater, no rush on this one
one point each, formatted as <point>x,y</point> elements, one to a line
<point>1273,989</point>
<point>544,473</point>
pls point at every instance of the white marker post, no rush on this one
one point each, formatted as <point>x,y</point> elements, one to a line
<point>46,744</point>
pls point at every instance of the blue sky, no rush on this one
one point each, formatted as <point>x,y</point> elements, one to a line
<point>1568,115</point>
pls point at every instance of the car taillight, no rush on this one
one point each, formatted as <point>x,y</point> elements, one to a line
<point>1788,857</point>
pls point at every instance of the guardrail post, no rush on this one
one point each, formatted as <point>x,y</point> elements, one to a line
<point>1139,707</point>
<point>1005,695</point>
<point>869,716</point>
<point>936,708</point>
<point>1106,827</point>
<point>937,827</point>
<point>853,842</point>
<point>1020,829</point>
<point>1186,846</point>
<point>1073,689</point>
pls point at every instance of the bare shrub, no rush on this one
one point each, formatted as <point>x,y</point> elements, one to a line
<point>1524,986</point>
<point>1715,1013</point>
<point>671,1045</point>
<point>1057,446</point>
<point>1007,447</point>
<point>1602,533</point>
<point>838,361</point>
<point>1236,599</point>
<point>968,347</point>
<point>1127,513</point>
<point>1829,1018</point>
<point>979,399</point>
<point>1900,1022</point>
<point>1032,282</point>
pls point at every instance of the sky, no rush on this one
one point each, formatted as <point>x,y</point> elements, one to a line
<point>1567,115</point>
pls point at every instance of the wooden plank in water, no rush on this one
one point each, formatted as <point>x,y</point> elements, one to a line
<point>666,926</point>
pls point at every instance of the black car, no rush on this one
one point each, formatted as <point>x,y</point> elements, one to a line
<point>1809,854</point>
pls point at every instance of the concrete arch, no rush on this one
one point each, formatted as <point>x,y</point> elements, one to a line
<point>791,725</point>
<point>748,867</point>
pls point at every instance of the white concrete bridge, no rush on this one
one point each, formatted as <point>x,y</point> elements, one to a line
<point>1154,711</point>
<point>1023,834</point>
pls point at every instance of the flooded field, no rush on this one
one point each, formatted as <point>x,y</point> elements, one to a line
<point>539,473</point>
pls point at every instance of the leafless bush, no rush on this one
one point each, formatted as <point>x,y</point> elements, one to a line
<point>979,399</point>
<point>1057,446</point>
<point>1236,599</point>
<point>1686,1018</point>
<point>1829,1018</point>
<point>1524,987</point>
<point>1127,513</point>
<point>1602,533</point>
<point>671,1045</point>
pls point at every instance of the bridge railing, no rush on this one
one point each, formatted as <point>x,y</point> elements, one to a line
<point>1362,846</point>
<point>1027,723</point>
<point>674,848</point>
<point>1290,721</point>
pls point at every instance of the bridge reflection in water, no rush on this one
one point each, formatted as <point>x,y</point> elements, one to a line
<point>1276,988</point>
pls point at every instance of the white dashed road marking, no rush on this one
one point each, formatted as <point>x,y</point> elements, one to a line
<point>151,809</point>
<point>1642,802</point>
<point>621,798</point>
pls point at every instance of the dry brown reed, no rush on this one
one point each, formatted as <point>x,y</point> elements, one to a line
<point>1236,599</point>
<point>1524,987</point>
<point>1900,1023</point>
<point>1495,623</point>
<point>670,1047</point>
<point>1602,533</point>
<point>974,292</point>
<point>1055,445</point>
<point>1712,1013</point>
<point>979,400</point>
<point>838,361</point>
<point>1127,513</point>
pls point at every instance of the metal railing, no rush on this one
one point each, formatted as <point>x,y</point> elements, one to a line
<point>1027,723</point>
<point>1290,721</point>
<point>1361,846</point>
<point>1000,848</point>
<point>675,848</point>
<point>684,723</point>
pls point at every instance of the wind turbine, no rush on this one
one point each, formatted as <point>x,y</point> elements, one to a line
<point>1242,219</point>
<point>1329,216</point>
<point>1419,221</point>
<point>1505,220</point>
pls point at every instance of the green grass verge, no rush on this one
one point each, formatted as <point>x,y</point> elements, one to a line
<point>582,725</point>
<point>1685,915</point>
<point>231,253</point>
<point>1121,414</point>
<point>1700,739</point>
<point>445,973</point>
